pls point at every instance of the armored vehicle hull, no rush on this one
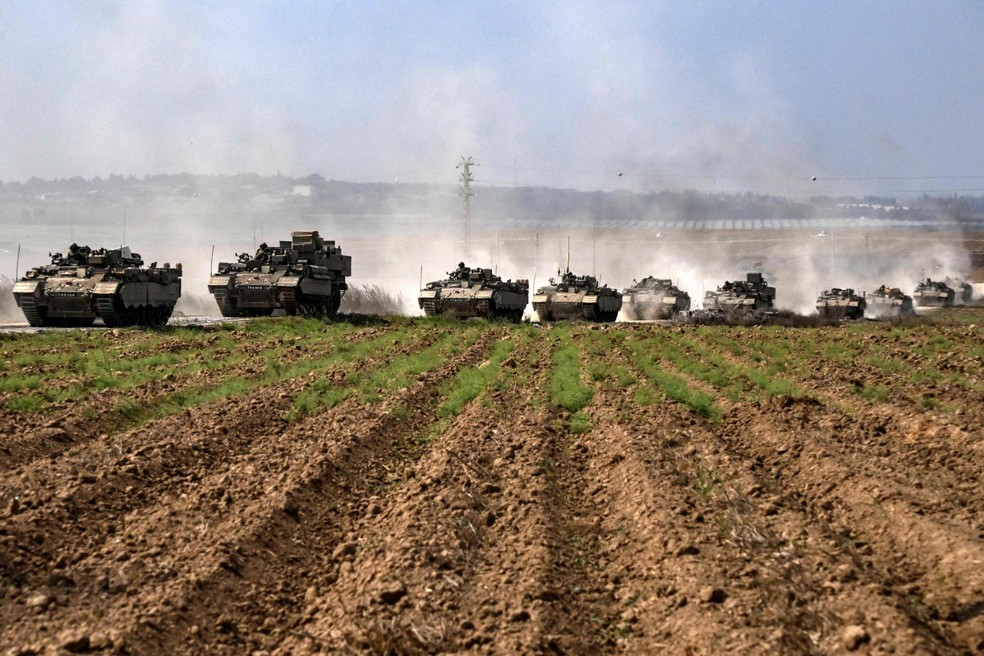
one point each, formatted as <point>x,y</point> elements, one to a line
<point>963,290</point>
<point>654,299</point>
<point>468,292</point>
<point>749,295</point>
<point>887,303</point>
<point>306,275</point>
<point>577,297</point>
<point>932,294</point>
<point>841,304</point>
<point>111,285</point>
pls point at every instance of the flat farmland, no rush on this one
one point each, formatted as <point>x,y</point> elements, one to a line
<point>416,486</point>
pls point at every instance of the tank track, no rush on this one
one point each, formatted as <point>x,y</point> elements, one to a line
<point>113,315</point>
<point>35,315</point>
<point>430,308</point>
<point>288,301</point>
<point>226,305</point>
<point>108,311</point>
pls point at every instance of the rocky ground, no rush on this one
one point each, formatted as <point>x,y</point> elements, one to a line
<point>416,487</point>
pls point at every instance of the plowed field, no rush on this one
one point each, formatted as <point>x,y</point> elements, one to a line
<point>418,486</point>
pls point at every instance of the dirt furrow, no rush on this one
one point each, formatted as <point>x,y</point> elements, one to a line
<point>69,424</point>
<point>928,563</point>
<point>804,584</point>
<point>936,461</point>
<point>446,560</point>
<point>68,509</point>
<point>276,528</point>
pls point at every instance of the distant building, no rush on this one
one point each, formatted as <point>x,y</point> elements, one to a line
<point>303,190</point>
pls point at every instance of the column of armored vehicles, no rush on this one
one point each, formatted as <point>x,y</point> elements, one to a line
<point>307,275</point>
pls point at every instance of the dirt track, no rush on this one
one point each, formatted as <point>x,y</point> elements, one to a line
<point>840,511</point>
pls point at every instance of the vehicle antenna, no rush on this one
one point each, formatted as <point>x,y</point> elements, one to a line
<point>210,260</point>
<point>421,277</point>
<point>17,269</point>
<point>568,254</point>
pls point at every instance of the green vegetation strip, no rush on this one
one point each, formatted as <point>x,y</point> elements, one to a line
<point>471,382</point>
<point>566,389</point>
<point>765,374</point>
<point>371,386</point>
<point>106,369</point>
<point>670,385</point>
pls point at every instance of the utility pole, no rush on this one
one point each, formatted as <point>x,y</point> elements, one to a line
<point>466,192</point>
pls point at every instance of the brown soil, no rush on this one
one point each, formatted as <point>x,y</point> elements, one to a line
<point>824,524</point>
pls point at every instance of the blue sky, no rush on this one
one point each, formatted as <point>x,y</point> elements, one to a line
<point>756,96</point>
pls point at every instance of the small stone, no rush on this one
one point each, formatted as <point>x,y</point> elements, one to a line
<point>100,641</point>
<point>310,595</point>
<point>712,595</point>
<point>14,506</point>
<point>39,601</point>
<point>854,636</point>
<point>391,592</point>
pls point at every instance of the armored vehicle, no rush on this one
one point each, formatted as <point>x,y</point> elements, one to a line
<point>931,293</point>
<point>577,297</point>
<point>963,290</point>
<point>108,284</point>
<point>654,298</point>
<point>886,302</point>
<point>741,295</point>
<point>468,292</point>
<point>839,302</point>
<point>305,275</point>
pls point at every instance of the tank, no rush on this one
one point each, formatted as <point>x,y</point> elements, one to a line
<point>932,293</point>
<point>305,275</point>
<point>577,297</point>
<point>468,292</point>
<point>963,290</point>
<point>108,284</point>
<point>839,302</point>
<point>475,292</point>
<point>887,302</point>
<point>747,295</point>
<point>654,298</point>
